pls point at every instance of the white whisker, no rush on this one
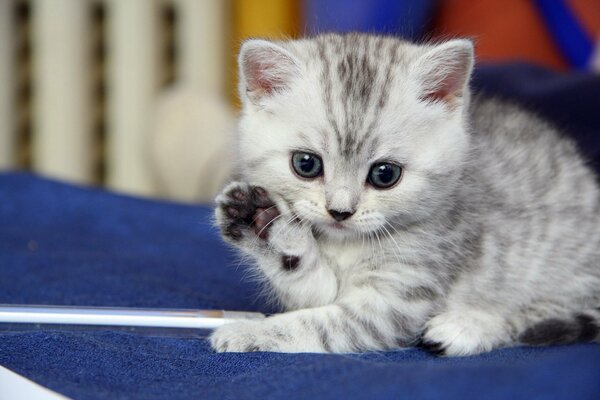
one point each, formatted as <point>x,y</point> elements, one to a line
<point>257,236</point>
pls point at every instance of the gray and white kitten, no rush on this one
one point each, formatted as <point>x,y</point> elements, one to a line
<point>385,208</point>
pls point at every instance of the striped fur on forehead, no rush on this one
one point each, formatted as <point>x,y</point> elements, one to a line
<point>347,89</point>
<point>356,74</point>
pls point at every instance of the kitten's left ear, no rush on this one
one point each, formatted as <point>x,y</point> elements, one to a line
<point>444,71</point>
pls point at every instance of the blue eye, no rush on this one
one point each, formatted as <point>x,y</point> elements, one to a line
<point>384,175</point>
<point>307,165</point>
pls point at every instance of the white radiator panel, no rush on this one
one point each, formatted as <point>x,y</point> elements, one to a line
<point>7,86</point>
<point>62,139</point>
<point>79,47</point>
<point>202,42</point>
<point>133,69</point>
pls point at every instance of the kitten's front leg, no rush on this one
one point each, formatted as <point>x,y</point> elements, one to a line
<point>365,318</point>
<point>285,251</point>
<point>363,322</point>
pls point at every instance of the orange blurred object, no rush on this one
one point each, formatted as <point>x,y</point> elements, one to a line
<point>273,19</point>
<point>511,30</point>
<point>588,14</point>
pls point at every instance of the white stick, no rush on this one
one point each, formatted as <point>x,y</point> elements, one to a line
<point>130,317</point>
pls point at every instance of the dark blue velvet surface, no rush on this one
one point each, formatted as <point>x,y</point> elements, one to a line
<point>66,245</point>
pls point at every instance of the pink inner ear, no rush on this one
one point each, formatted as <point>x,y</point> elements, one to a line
<point>267,70</point>
<point>445,71</point>
<point>445,88</point>
<point>260,76</point>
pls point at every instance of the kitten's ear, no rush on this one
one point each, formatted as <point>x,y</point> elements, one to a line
<point>265,69</point>
<point>444,71</point>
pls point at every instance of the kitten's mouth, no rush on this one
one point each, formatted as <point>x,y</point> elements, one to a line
<point>337,225</point>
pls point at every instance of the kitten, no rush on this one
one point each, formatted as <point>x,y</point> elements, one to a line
<point>385,208</point>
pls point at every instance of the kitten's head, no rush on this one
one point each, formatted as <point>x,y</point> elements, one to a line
<point>352,133</point>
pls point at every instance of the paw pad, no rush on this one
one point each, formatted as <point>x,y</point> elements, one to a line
<point>290,263</point>
<point>434,348</point>
<point>246,208</point>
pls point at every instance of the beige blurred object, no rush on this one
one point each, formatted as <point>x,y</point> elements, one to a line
<point>191,144</point>
<point>193,126</point>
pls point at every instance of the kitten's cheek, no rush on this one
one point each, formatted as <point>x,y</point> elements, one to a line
<point>262,218</point>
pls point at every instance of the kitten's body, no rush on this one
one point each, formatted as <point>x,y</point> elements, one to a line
<point>490,238</point>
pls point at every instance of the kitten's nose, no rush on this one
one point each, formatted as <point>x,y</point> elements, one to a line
<point>340,215</point>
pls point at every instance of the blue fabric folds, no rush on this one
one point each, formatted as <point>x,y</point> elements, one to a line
<point>81,246</point>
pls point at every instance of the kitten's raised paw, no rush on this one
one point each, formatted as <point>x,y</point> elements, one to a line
<point>244,209</point>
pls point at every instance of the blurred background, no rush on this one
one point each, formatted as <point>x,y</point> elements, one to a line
<point>139,96</point>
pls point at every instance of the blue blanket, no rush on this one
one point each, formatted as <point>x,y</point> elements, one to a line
<point>80,246</point>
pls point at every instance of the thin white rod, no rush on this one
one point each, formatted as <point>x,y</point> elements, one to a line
<point>130,317</point>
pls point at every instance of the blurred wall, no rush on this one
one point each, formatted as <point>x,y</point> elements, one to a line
<point>140,96</point>
<point>519,30</point>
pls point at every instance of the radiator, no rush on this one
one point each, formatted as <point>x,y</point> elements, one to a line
<point>78,80</point>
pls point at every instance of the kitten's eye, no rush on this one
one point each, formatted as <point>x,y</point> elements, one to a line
<point>384,175</point>
<point>307,165</point>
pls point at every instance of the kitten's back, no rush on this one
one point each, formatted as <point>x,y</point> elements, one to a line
<point>525,160</point>
<point>539,206</point>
